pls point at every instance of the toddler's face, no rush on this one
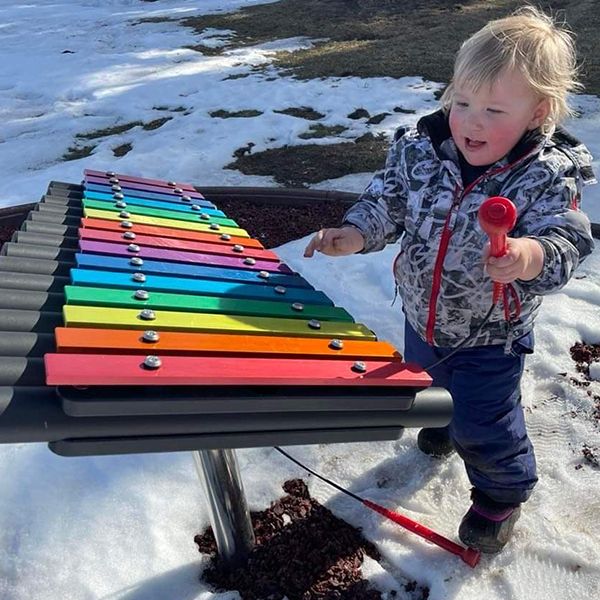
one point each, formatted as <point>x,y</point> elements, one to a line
<point>486,124</point>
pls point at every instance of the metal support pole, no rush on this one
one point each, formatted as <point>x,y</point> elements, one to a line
<point>229,516</point>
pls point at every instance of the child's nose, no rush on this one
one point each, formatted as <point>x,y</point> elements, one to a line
<point>474,120</point>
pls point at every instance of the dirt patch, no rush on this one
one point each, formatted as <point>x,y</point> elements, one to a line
<point>591,456</point>
<point>155,124</point>
<point>300,166</point>
<point>584,354</point>
<point>302,112</point>
<point>118,129</point>
<point>206,50</point>
<point>236,76</point>
<point>106,131</point>
<point>302,552</point>
<point>320,131</point>
<point>77,152</point>
<point>5,234</point>
<point>226,114</point>
<point>175,109</point>
<point>359,113</point>
<point>122,150</point>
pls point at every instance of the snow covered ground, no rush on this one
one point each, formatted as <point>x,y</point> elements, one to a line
<point>122,527</point>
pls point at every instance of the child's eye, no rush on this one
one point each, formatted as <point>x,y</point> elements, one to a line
<point>495,111</point>
<point>461,104</point>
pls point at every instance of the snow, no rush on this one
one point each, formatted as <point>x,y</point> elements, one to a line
<point>122,527</point>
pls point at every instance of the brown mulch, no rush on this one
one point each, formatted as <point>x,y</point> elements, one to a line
<point>583,354</point>
<point>5,233</point>
<point>591,455</point>
<point>274,225</point>
<point>302,552</point>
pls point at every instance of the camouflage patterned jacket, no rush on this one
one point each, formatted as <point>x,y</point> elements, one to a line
<point>439,271</point>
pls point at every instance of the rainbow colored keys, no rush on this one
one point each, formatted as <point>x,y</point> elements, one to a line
<point>167,290</point>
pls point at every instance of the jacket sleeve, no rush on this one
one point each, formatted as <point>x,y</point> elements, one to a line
<point>380,210</point>
<point>562,229</point>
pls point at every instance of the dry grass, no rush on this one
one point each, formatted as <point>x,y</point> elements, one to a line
<point>77,152</point>
<point>369,38</point>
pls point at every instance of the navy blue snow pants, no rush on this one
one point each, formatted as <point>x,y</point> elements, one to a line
<point>488,426</point>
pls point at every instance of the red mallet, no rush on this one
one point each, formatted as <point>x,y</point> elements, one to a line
<point>497,216</point>
<point>467,555</point>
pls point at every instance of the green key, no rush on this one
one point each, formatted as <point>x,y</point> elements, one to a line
<point>117,298</point>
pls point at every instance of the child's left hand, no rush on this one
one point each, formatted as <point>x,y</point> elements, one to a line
<point>523,260</point>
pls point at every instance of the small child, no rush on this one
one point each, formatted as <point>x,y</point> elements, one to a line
<point>497,134</point>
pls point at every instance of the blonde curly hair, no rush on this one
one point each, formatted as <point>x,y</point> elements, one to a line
<point>531,42</point>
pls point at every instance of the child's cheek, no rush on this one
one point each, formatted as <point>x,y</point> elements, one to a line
<point>454,123</point>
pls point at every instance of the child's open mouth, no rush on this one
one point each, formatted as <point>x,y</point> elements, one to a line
<point>473,144</point>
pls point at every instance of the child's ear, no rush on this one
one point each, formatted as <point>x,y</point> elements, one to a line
<point>540,114</point>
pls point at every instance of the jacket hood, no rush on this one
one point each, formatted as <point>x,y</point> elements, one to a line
<point>569,145</point>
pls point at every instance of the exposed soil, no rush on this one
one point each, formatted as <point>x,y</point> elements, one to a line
<point>300,166</point>
<point>591,456</point>
<point>5,233</point>
<point>123,149</point>
<point>583,354</point>
<point>302,552</point>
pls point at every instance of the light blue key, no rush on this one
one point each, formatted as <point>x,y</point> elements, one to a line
<point>111,263</point>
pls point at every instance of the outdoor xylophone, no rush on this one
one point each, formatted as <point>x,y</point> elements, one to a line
<point>178,332</point>
<point>137,317</point>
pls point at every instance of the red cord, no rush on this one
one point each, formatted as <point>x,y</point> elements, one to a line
<point>508,289</point>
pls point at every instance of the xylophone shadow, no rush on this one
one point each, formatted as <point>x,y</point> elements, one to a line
<point>173,413</point>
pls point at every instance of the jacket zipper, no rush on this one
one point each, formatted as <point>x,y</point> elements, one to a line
<point>439,262</point>
<point>443,248</point>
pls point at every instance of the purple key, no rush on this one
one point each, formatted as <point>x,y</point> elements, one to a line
<point>184,257</point>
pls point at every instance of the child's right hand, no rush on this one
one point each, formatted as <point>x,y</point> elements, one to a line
<point>338,241</point>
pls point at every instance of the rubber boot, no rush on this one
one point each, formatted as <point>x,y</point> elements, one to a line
<point>488,525</point>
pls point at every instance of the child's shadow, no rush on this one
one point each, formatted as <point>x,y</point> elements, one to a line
<point>396,479</point>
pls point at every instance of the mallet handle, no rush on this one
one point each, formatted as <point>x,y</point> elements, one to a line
<point>497,216</point>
